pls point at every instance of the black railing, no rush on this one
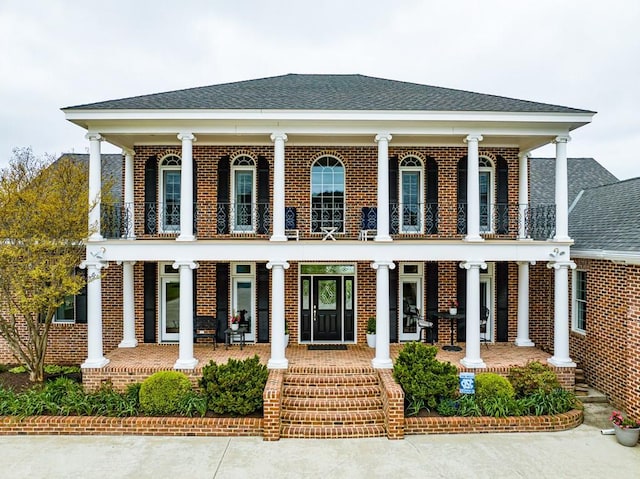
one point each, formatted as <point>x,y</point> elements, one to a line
<point>414,218</point>
<point>242,218</point>
<point>538,222</point>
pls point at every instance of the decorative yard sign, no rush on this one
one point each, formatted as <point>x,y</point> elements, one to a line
<point>467,383</point>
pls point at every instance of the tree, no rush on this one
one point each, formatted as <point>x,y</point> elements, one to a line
<point>43,221</point>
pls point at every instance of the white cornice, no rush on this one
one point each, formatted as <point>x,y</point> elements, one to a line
<point>627,257</point>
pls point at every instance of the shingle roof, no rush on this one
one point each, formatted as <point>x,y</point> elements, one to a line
<point>326,92</point>
<point>582,173</point>
<point>608,217</point>
<point>111,168</point>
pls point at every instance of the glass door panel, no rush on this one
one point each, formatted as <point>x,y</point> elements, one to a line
<point>170,320</point>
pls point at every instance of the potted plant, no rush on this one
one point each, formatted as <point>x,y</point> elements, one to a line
<point>371,332</point>
<point>627,430</point>
<point>235,321</point>
<point>286,334</point>
<point>453,307</point>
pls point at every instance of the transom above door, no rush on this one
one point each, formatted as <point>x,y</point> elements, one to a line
<point>327,303</point>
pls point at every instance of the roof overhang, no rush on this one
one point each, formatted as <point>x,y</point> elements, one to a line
<point>622,257</point>
<point>127,128</point>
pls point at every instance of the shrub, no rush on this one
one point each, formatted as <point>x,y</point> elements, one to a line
<point>235,387</point>
<point>161,393</point>
<point>532,377</point>
<point>425,380</point>
<point>468,406</point>
<point>541,403</point>
<point>500,406</point>
<point>491,385</point>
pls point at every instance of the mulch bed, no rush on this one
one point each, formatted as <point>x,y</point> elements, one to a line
<point>18,382</point>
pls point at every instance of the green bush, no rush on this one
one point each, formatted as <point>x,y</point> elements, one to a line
<point>468,406</point>
<point>500,406</point>
<point>235,387</point>
<point>541,403</point>
<point>491,385</point>
<point>162,392</point>
<point>425,380</point>
<point>532,377</point>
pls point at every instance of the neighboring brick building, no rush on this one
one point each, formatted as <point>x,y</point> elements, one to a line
<point>604,221</point>
<point>322,200</point>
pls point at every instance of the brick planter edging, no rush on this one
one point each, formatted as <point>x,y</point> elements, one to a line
<point>135,426</point>
<point>272,405</point>
<point>393,404</point>
<point>484,424</point>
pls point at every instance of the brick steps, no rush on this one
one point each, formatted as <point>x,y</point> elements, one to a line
<point>329,402</point>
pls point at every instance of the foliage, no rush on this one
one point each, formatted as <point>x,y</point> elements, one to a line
<point>18,370</point>
<point>162,392</point>
<point>532,377</point>
<point>623,422</point>
<point>371,325</point>
<point>447,407</point>
<point>235,387</point>
<point>542,403</point>
<point>425,380</point>
<point>491,385</point>
<point>55,370</point>
<point>195,402</point>
<point>43,221</point>
<point>500,406</point>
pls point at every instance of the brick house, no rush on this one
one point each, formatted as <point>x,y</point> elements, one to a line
<point>318,201</point>
<point>604,286</point>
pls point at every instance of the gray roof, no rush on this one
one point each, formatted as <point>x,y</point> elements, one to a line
<point>111,168</point>
<point>582,173</point>
<point>326,92</point>
<point>608,217</point>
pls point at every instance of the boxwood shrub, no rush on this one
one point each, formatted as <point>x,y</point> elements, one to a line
<point>163,392</point>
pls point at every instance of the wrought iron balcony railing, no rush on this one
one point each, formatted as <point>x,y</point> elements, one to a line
<point>537,222</point>
<point>240,218</point>
<point>414,218</point>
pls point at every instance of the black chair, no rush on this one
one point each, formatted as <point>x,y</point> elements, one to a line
<point>484,320</point>
<point>368,222</point>
<point>205,327</point>
<point>291,223</point>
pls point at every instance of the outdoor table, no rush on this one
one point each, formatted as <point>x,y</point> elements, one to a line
<point>452,317</point>
<point>230,333</point>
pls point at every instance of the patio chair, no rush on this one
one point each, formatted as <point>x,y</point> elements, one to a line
<point>484,320</point>
<point>368,223</point>
<point>291,223</point>
<point>205,327</point>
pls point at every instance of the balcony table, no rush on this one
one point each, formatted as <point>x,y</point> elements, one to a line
<point>451,317</point>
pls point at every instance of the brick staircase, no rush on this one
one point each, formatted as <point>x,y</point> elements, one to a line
<point>332,402</point>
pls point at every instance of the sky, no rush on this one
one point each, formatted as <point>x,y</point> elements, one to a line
<point>579,53</point>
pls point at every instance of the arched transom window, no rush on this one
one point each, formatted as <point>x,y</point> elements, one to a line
<point>327,195</point>
<point>170,193</point>
<point>411,194</point>
<point>243,192</point>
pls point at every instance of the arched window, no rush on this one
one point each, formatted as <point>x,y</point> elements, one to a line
<point>170,193</point>
<point>327,195</point>
<point>243,185</point>
<point>412,195</point>
<point>487,175</point>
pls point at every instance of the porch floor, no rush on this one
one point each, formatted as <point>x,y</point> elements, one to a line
<point>154,357</point>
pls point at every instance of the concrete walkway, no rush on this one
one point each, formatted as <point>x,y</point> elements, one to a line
<point>580,453</point>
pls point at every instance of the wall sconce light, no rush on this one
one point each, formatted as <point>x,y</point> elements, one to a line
<point>556,253</point>
<point>100,253</point>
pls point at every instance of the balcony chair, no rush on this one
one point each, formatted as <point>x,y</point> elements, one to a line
<point>205,327</point>
<point>291,223</point>
<point>368,223</point>
<point>484,320</point>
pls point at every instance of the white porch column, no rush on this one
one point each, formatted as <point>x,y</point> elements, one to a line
<point>382,359</point>
<point>128,307</point>
<point>562,190</point>
<point>523,194</point>
<point>185,348</point>
<point>277,359</point>
<point>129,216</point>
<point>472,357</point>
<point>522,337</point>
<point>95,353</point>
<point>95,185</point>
<point>383,140</point>
<point>560,356</point>
<point>473,189</point>
<point>186,188</point>
<point>278,187</point>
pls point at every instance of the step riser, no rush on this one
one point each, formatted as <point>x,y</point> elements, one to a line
<point>337,432</point>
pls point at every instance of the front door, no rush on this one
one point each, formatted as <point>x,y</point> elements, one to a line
<point>170,320</point>
<point>327,308</point>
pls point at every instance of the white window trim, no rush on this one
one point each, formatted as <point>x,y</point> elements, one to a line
<point>420,170</point>
<point>344,195</point>
<point>161,200</point>
<point>234,169</point>
<point>67,321</point>
<point>574,302</point>
<point>251,276</point>
<point>411,277</point>
<point>491,193</point>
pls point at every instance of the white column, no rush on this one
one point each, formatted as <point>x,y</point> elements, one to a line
<point>128,307</point>
<point>278,187</point>
<point>95,185</point>
<point>186,188</point>
<point>277,359</point>
<point>472,357</point>
<point>383,140</point>
<point>95,353</point>
<point>382,359</point>
<point>185,348</point>
<point>473,189</point>
<point>522,337</point>
<point>129,217</point>
<point>560,356</point>
<point>523,194</point>
<point>562,190</point>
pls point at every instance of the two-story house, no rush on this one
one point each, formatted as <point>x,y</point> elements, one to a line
<point>317,201</point>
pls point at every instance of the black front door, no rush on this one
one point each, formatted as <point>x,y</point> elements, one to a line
<point>327,308</point>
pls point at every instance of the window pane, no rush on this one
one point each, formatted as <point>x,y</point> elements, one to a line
<point>66,311</point>
<point>327,195</point>
<point>171,198</point>
<point>410,201</point>
<point>244,292</point>
<point>484,200</point>
<point>243,199</point>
